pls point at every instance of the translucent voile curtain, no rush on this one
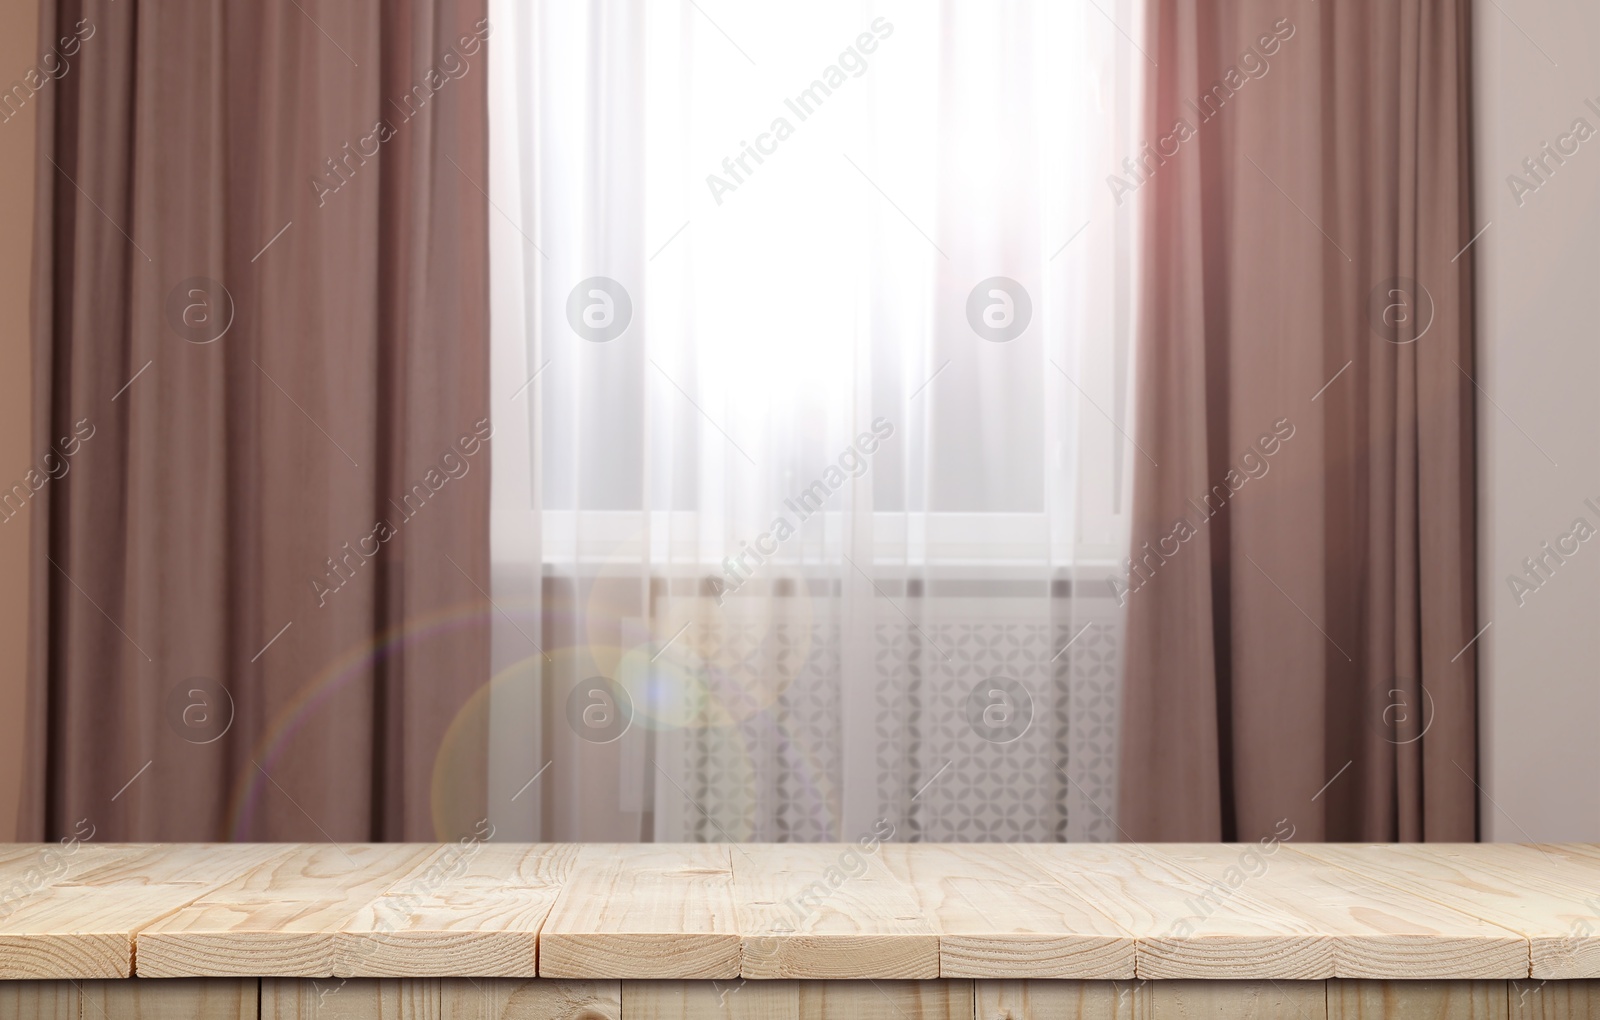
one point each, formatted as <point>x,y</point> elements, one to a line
<point>810,351</point>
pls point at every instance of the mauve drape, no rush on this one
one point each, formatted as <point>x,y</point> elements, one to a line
<point>1298,652</point>
<point>234,487</point>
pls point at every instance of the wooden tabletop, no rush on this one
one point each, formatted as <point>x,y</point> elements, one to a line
<point>812,911</point>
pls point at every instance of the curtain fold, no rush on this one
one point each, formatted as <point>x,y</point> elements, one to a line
<point>261,313</point>
<point>1301,589</point>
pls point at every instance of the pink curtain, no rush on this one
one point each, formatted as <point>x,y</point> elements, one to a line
<point>1301,596</point>
<point>262,341</point>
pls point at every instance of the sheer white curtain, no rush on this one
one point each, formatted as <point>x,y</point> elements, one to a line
<point>811,347</point>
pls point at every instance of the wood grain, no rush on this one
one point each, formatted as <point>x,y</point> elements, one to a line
<point>797,1000</point>
<point>1417,1000</point>
<point>644,911</point>
<point>75,913</point>
<point>39,1000</point>
<point>143,865</point>
<point>465,910</point>
<point>829,911</point>
<point>282,917</point>
<point>1550,898</point>
<point>1062,1000</point>
<point>1238,1000</point>
<point>183,999</point>
<point>818,912</point>
<point>740,999</point>
<point>1569,850</point>
<point>999,914</point>
<point>1372,930</point>
<point>439,999</point>
<point>1187,925</point>
<point>736,999</point>
<point>1553,1000</point>
<point>885,1000</point>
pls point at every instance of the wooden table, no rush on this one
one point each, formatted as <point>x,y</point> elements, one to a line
<point>889,930</point>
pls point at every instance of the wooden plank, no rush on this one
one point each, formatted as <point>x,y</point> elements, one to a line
<point>1564,862</point>
<point>281,918</point>
<point>71,935</point>
<point>1417,1000</point>
<point>473,909</point>
<point>123,866</point>
<point>27,869</point>
<point>819,912</point>
<point>1373,930</point>
<point>1061,1000</point>
<point>1553,1000</point>
<point>1574,851</point>
<point>797,1000</point>
<point>1238,1000</point>
<point>998,914</point>
<point>18,857</point>
<point>1176,919</point>
<point>653,910</point>
<point>76,926</point>
<point>1550,898</point>
<point>39,1000</point>
<point>737,999</point>
<point>182,999</point>
<point>82,932</point>
<point>439,999</point>
<point>828,911</point>
<point>885,1000</point>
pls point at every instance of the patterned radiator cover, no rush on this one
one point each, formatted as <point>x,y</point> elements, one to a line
<point>777,770</point>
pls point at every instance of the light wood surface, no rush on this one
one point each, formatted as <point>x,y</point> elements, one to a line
<point>719,912</point>
<point>884,1000</point>
<point>465,910</point>
<point>1239,1000</point>
<point>1365,928</point>
<point>1520,887</point>
<point>829,911</point>
<point>39,1000</point>
<point>735,1000</point>
<point>740,999</point>
<point>1553,1000</point>
<point>1061,1000</point>
<point>1189,924</point>
<point>439,999</point>
<point>1002,915</point>
<point>73,912</point>
<point>282,917</point>
<point>183,999</point>
<point>644,911</point>
<point>797,1000</point>
<point>1416,1000</point>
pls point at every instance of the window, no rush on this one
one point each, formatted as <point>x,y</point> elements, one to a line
<point>794,210</point>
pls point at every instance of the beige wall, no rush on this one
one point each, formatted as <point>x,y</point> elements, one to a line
<point>1539,360</point>
<point>18,43</point>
